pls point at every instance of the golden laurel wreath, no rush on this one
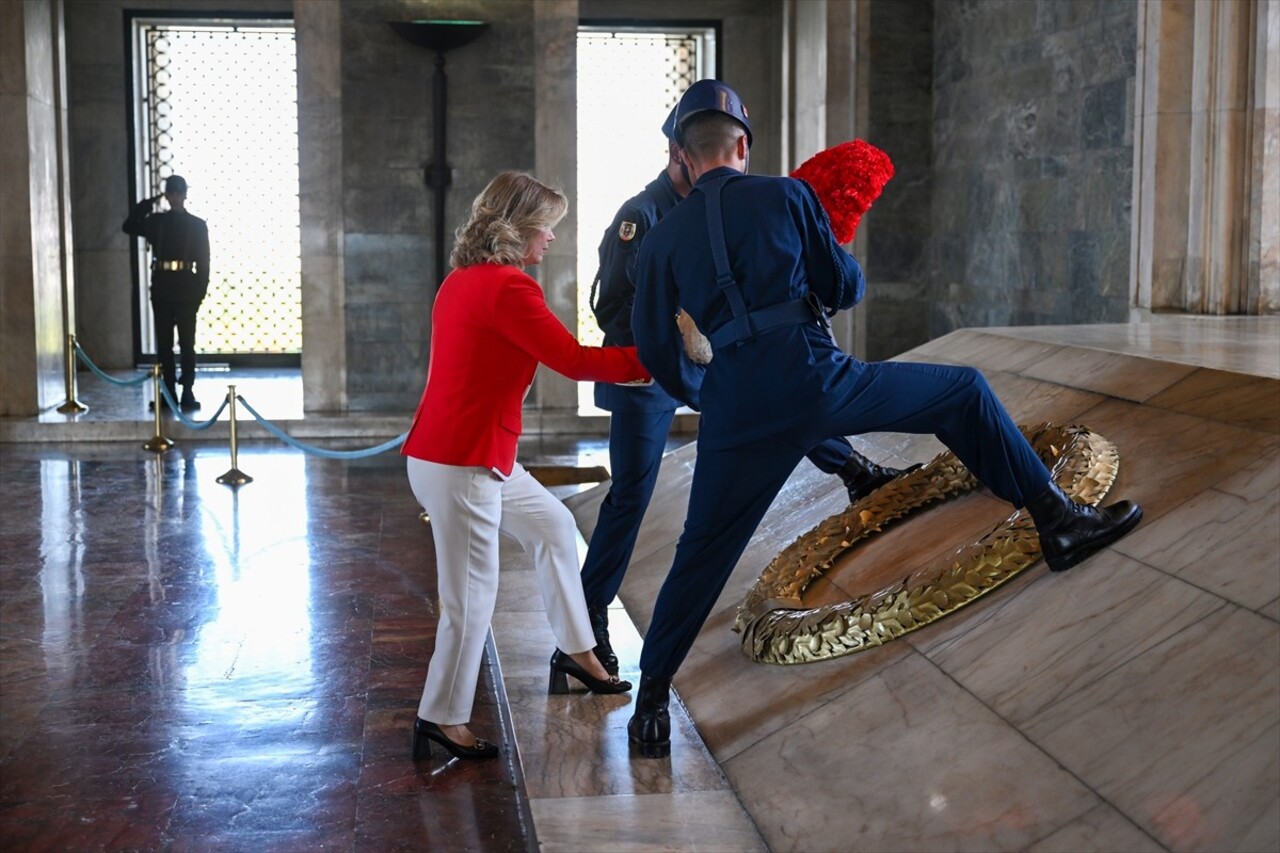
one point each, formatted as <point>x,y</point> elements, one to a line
<point>777,628</point>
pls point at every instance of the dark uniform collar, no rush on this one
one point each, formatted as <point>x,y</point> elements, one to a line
<point>663,190</point>
<point>716,173</point>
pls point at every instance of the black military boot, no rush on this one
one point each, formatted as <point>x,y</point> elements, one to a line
<point>603,650</point>
<point>1070,532</point>
<point>189,402</point>
<point>862,476</point>
<point>650,728</point>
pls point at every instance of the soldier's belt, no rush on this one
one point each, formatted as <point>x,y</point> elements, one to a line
<point>762,320</point>
<point>172,266</point>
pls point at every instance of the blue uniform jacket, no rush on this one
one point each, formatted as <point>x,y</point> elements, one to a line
<point>615,292</point>
<point>780,248</point>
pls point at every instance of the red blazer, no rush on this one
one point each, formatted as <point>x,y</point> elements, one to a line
<point>490,329</point>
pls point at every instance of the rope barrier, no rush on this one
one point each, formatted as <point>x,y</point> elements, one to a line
<point>188,422</point>
<point>320,451</point>
<point>97,370</point>
<point>176,409</point>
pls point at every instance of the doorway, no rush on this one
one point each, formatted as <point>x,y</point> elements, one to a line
<point>216,101</point>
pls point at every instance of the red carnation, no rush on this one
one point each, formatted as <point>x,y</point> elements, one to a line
<point>847,178</point>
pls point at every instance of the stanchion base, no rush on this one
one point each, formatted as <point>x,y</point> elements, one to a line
<point>235,477</point>
<point>158,444</point>
<point>72,407</point>
<point>424,518</point>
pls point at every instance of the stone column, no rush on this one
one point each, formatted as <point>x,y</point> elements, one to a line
<point>34,273</point>
<point>1263,270</point>
<point>1205,227</point>
<point>555,33</point>
<point>324,364</point>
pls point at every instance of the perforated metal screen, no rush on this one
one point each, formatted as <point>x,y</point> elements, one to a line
<point>217,104</point>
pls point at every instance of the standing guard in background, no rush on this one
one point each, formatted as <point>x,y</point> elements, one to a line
<point>754,262</point>
<point>642,415</point>
<point>179,279</point>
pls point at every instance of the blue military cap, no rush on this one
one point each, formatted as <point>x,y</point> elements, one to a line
<point>713,96</point>
<point>669,126</point>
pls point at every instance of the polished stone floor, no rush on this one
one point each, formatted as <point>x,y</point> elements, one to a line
<point>188,666</point>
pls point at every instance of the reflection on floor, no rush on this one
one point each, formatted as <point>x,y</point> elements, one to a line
<point>184,665</point>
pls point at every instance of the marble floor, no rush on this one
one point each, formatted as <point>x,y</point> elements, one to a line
<point>188,666</point>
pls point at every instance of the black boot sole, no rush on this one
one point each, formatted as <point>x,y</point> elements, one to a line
<point>649,748</point>
<point>1062,562</point>
<point>643,749</point>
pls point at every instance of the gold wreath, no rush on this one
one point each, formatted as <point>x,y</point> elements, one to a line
<point>777,628</point>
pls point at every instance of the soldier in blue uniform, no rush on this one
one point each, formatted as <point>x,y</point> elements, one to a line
<point>754,262</point>
<point>642,415</point>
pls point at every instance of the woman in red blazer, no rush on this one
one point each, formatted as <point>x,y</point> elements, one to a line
<point>490,329</point>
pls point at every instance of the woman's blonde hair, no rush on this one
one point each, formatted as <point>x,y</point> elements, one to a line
<point>504,218</point>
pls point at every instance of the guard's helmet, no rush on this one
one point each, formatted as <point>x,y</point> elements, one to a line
<point>669,126</point>
<point>714,96</point>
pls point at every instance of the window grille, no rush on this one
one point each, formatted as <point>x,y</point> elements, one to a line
<point>218,105</point>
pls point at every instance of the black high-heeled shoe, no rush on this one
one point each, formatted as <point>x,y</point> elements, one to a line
<point>562,665</point>
<point>424,732</point>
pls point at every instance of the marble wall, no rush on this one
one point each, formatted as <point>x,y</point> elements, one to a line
<point>388,213</point>
<point>1033,161</point>
<point>33,265</point>
<point>899,120</point>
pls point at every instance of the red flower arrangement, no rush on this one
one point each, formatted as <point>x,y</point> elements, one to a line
<point>847,178</point>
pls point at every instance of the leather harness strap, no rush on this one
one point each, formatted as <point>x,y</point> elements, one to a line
<point>745,324</point>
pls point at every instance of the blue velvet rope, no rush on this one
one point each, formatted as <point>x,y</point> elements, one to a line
<point>89,363</point>
<point>176,409</point>
<point>320,451</point>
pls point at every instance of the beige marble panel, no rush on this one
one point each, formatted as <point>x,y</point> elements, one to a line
<point>1022,651</point>
<point>524,642</point>
<point>1257,480</point>
<point>701,820</point>
<point>1100,828</point>
<point>1252,402</point>
<point>904,761</point>
<point>1219,542</point>
<point>1248,345</point>
<point>1272,611</point>
<point>1167,458</point>
<point>1185,738</point>
<point>575,745</point>
<point>738,702</point>
<point>1030,401</point>
<point>1113,374</point>
<point>981,349</point>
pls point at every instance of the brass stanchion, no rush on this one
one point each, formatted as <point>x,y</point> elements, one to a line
<point>72,406</point>
<point>157,443</point>
<point>234,477</point>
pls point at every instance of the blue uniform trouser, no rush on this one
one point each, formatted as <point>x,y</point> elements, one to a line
<point>733,487</point>
<point>636,444</point>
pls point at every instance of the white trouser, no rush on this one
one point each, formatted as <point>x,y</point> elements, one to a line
<point>469,507</point>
